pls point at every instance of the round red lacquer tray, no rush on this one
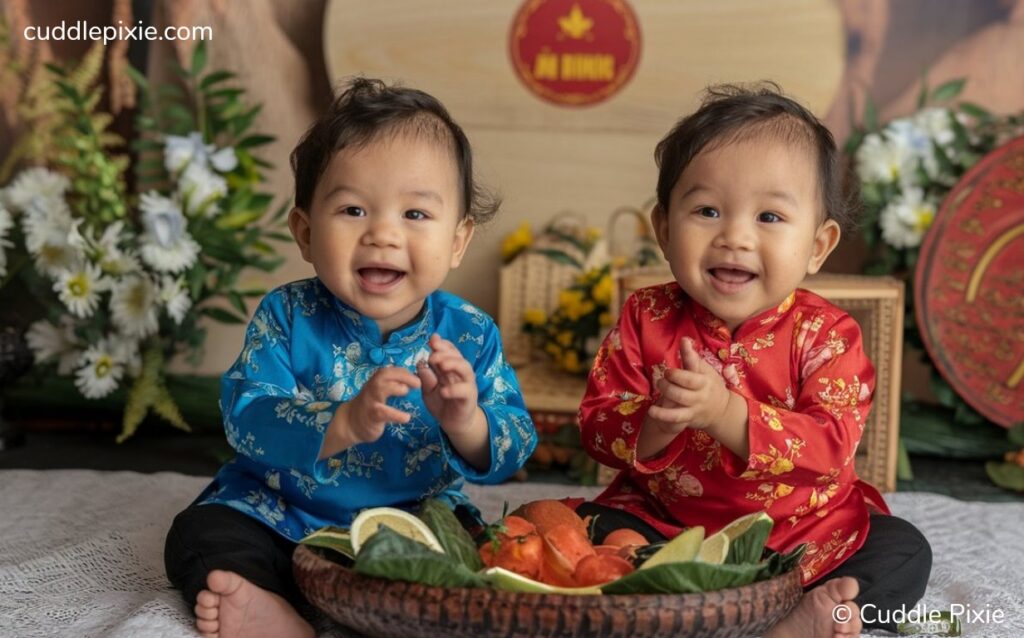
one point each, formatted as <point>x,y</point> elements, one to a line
<point>969,286</point>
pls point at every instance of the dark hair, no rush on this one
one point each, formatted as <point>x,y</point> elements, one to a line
<point>367,109</point>
<point>729,113</point>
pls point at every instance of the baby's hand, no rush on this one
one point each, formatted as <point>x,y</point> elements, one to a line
<point>449,386</point>
<point>369,411</point>
<point>694,396</point>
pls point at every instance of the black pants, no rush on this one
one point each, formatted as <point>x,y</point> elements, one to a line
<point>892,566</point>
<point>207,537</point>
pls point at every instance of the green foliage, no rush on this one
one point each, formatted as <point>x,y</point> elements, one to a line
<point>935,147</point>
<point>453,537</point>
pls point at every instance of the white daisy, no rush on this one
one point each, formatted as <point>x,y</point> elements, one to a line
<point>881,159</point>
<point>133,306</point>
<point>166,244</point>
<point>79,288</point>
<point>6,223</point>
<point>47,340</point>
<point>200,188</point>
<point>174,295</point>
<point>107,252</point>
<point>51,235</point>
<point>35,183</point>
<point>905,219</point>
<point>100,371</point>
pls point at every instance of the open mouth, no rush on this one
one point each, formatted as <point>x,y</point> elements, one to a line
<point>378,279</point>
<point>730,280</point>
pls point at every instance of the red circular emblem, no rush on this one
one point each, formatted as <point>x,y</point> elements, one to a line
<point>969,286</point>
<point>575,52</point>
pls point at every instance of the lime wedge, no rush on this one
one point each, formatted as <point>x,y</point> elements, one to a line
<point>714,549</point>
<point>680,549</point>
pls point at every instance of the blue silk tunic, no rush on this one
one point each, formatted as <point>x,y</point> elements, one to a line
<point>306,352</point>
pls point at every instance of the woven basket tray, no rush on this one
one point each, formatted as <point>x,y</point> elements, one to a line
<point>378,607</point>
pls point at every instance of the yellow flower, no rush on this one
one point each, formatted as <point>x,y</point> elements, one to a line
<point>516,241</point>
<point>571,361</point>
<point>553,350</point>
<point>534,316</point>
<point>605,318</point>
<point>564,338</point>
<point>593,234</point>
<point>603,290</point>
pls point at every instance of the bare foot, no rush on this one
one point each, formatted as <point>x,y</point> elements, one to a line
<point>827,611</point>
<point>232,607</point>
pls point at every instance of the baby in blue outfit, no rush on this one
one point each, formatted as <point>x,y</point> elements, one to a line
<point>365,386</point>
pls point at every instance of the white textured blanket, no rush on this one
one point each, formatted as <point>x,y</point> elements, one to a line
<point>81,552</point>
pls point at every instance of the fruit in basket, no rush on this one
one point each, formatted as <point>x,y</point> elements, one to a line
<point>369,521</point>
<point>625,536</point>
<point>683,548</point>
<point>599,569</point>
<point>547,514</point>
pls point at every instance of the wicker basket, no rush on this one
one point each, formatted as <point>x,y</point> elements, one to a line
<point>378,607</point>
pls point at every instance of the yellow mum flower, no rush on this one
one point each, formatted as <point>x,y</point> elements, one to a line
<point>564,338</point>
<point>516,241</point>
<point>571,361</point>
<point>603,290</point>
<point>534,316</point>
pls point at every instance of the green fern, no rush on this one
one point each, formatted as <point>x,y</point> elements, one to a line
<point>149,392</point>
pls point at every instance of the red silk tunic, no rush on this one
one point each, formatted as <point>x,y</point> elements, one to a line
<point>808,383</point>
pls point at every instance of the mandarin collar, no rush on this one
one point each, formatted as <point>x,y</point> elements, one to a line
<point>367,332</point>
<point>717,329</point>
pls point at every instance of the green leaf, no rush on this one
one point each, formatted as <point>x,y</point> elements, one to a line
<point>922,94</point>
<point>453,537</point>
<point>198,58</point>
<point>335,539</point>
<point>222,315</point>
<point>1007,475</point>
<point>237,301</point>
<point>253,141</point>
<point>748,546</point>
<point>683,578</point>
<point>947,90</point>
<point>777,564</point>
<point>390,555</point>
<point>975,111</point>
<point>557,255</point>
<point>870,114</point>
<point>214,78</point>
<point>1016,434</point>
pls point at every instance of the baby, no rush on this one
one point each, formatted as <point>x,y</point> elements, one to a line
<point>364,386</point>
<point>731,390</point>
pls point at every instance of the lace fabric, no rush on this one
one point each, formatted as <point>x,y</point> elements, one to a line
<point>81,552</point>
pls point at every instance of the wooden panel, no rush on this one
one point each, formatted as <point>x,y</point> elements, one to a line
<point>458,50</point>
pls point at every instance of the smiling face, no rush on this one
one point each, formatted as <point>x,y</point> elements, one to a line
<point>744,225</point>
<point>385,225</point>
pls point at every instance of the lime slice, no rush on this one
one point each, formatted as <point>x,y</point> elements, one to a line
<point>370,520</point>
<point>746,537</point>
<point>680,549</point>
<point>502,578</point>
<point>714,549</point>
